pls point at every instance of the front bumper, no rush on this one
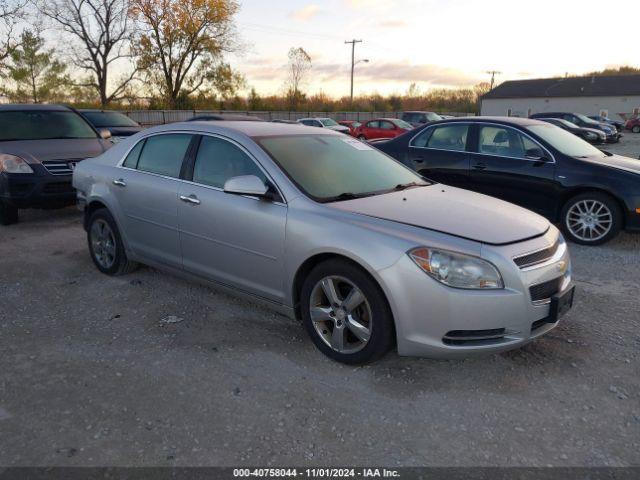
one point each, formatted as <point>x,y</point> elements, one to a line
<point>426,312</point>
<point>37,190</point>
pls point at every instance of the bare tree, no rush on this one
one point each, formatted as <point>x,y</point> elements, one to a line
<point>103,31</point>
<point>10,12</point>
<point>298,68</point>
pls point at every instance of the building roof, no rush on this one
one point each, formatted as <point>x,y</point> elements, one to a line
<point>591,86</point>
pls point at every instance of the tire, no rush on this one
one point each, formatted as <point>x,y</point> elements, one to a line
<point>105,245</point>
<point>371,318</point>
<point>591,218</point>
<point>636,129</point>
<point>362,138</point>
<point>8,214</point>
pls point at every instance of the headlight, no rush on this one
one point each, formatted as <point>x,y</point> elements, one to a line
<point>13,164</point>
<point>457,270</point>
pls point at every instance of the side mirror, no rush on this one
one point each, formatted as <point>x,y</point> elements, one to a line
<point>246,185</point>
<point>536,154</point>
<point>105,134</point>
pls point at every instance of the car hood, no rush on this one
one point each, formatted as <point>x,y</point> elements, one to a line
<point>592,130</point>
<point>617,161</point>
<point>339,128</point>
<point>123,131</point>
<point>36,151</point>
<point>453,211</point>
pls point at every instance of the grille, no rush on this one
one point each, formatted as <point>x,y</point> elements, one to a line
<point>544,291</point>
<point>59,167</point>
<point>537,257</point>
<point>461,337</point>
<point>58,187</point>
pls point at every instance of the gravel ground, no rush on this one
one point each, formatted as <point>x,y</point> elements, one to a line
<point>149,369</point>
<point>629,145</point>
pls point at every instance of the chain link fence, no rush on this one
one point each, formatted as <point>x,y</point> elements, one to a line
<point>149,118</point>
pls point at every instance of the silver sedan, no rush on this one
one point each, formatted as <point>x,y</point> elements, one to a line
<point>366,253</point>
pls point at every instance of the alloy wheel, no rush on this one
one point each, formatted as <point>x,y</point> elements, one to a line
<point>341,314</point>
<point>589,220</point>
<point>103,243</point>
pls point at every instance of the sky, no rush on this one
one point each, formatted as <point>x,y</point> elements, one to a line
<point>434,43</point>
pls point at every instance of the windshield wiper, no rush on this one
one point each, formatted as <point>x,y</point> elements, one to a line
<point>404,186</point>
<point>346,196</point>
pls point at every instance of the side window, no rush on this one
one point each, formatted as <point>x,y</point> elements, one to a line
<point>308,123</point>
<point>386,125</point>
<point>219,160</point>
<point>163,154</point>
<point>132,159</point>
<point>504,142</point>
<point>449,137</point>
<point>375,124</point>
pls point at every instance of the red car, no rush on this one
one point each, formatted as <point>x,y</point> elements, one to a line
<point>382,128</point>
<point>352,125</point>
<point>633,125</point>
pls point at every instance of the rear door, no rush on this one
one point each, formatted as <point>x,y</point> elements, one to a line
<point>233,239</point>
<point>387,129</point>
<point>146,187</point>
<point>440,153</point>
<point>508,164</point>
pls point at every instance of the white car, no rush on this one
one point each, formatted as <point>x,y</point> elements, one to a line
<point>329,123</point>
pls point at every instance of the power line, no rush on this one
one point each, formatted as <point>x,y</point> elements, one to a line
<point>493,74</point>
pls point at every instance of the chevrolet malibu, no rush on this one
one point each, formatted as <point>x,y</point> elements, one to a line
<point>369,255</point>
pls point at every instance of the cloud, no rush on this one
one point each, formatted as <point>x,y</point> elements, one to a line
<point>306,13</point>
<point>393,23</point>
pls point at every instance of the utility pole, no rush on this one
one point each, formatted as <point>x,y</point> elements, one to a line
<point>353,60</point>
<point>493,74</point>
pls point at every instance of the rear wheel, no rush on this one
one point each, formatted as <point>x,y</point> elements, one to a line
<point>8,213</point>
<point>346,314</point>
<point>591,218</point>
<point>636,129</point>
<point>105,245</point>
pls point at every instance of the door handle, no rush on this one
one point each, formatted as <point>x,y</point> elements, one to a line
<point>192,199</point>
<point>479,166</point>
<point>120,183</point>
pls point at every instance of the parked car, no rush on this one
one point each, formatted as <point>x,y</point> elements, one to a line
<point>39,148</point>
<point>583,121</point>
<point>328,123</point>
<point>228,117</point>
<point>591,193</point>
<point>417,118</point>
<point>633,125</point>
<point>327,229</point>
<point>616,123</point>
<point>382,128</point>
<point>282,120</point>
<point>590,135</point>
<point>119,125</point>
<point>352,125</point>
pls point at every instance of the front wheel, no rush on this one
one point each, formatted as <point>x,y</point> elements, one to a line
<point>636,129</point>
<point>362,138</point>
<point>105,245</point>
<point>591,218</point>
<point>346,313</point>
<point>8,214</point>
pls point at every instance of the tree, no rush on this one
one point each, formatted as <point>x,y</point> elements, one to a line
<point>37,75</point>
<point>298,68</point>
<point>103,30</point>
<point>182,43</point>
<point>10,12</point>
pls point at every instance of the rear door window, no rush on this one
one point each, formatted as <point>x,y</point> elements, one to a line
<point>445,137</point>
<point>163,154</point>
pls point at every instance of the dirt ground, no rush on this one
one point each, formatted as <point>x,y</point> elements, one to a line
<point>148,369</point>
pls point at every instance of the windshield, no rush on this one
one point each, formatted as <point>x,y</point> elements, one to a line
<point>327,167</point>
<point>328,122</point>
<point>43,125</point>
<point>565,142</point>
<point>563,122</point>
<point>586,119</point>
<point>403,124</point>
<point>109,119</point>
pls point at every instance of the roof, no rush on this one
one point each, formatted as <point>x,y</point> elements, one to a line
<point>251,129</point>
<point>32,107</point>
<point>225,116</point>
<point>506,120</point>
<point>591,86</point>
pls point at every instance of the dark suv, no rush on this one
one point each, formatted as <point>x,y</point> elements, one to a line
<point>583,121</point>
<point>418,118</point>
<point>39,148</point>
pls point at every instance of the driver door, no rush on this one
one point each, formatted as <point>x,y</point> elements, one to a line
<point>232,239</point>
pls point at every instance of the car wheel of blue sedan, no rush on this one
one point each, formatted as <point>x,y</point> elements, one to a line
<point>591,218</point>
<point>346,313</point>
